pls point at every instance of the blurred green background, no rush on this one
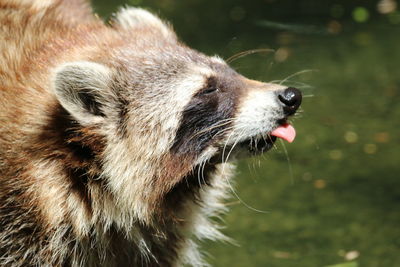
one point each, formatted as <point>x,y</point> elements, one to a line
<point>333,198</point>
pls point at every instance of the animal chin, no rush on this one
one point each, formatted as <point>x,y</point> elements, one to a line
<point>262,144</point>
<point>251,146</point>
<point>258,145</point>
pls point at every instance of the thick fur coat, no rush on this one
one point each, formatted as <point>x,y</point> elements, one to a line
<point>113,138</point>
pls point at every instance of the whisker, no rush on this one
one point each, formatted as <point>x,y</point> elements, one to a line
<point>248,52</point>
<point>225,145</point>
<point>202,172</point>
<point>199,176</point>
<point>241,200</point>
<point>230,135</point>
<point>295,74</point>
<point>274,145</point>
<point>233,146</point>
<point>213,126</point>
<point>288,161</point>
<point>294,83</point>
<point>222,131</point>
<point>230,185</point>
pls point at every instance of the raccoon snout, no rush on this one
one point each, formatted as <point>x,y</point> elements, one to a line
<point>291,100</point>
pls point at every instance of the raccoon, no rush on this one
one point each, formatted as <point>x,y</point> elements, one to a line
<point>116,139</point>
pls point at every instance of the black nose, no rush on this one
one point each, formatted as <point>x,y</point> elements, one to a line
<point>291,98</point>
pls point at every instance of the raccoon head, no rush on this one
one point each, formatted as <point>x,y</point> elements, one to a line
<point>165,108</point>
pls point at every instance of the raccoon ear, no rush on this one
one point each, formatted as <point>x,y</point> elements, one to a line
<point>131,17</point>
<point>82,89</point>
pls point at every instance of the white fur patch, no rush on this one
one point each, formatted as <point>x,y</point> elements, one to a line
<point>257,113</point>
<point>218,59</point>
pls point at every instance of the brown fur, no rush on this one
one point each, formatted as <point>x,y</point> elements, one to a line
<point>110,137</point>
<point>41,212</point>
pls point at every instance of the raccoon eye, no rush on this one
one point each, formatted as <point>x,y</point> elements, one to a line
<point>210,87</point>
<point>209,90</point>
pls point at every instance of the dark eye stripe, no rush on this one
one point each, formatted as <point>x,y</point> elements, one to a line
<point>210,87</point>
<point>202,112</point>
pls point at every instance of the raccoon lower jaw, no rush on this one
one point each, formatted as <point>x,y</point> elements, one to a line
<point>262,144</point>
<point>254,145</point>
<point>258,145</point>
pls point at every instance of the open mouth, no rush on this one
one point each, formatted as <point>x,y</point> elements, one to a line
<point>255,145</point>
<point>260,144</point>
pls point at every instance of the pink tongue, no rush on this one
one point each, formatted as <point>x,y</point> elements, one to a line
<point>285,131</point>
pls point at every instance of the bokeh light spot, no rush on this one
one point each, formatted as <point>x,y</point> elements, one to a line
<point>320,184</point>
<point>370,148</point>
<point>352,255</point>
<point>386,6</point>
<point>282,54</point>
<point>334,27</point>
<point>382,137</point>
<point>351,137</point>
<point>360,14</point>
<point>281,254</point>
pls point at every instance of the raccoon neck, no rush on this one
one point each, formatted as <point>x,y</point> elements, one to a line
<point>92,211</point>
